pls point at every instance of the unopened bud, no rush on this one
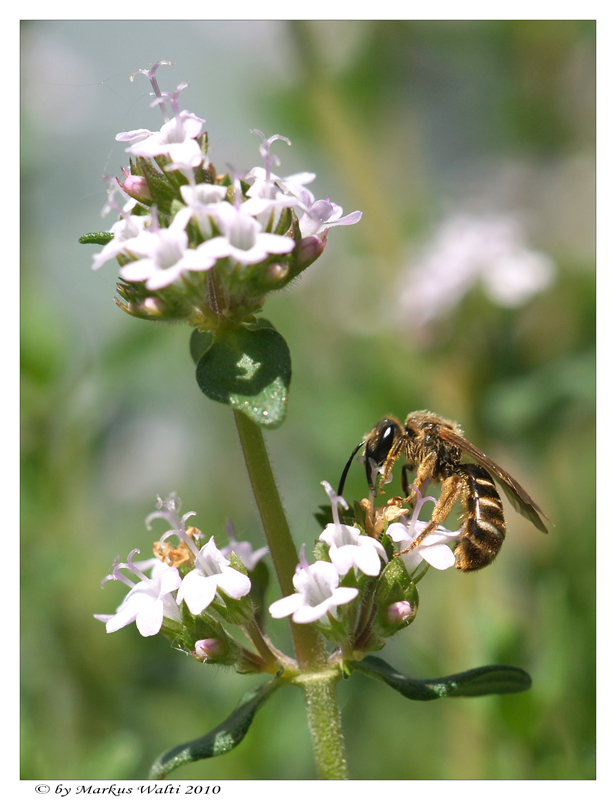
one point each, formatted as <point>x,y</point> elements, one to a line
<point>309,249</point>
<point>206,649</point>
<point>152,307</point>
<point>136,186</point>
<point>401,613</point>
<point>276,273</point>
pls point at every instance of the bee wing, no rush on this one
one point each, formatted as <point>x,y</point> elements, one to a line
<point>517,496</point>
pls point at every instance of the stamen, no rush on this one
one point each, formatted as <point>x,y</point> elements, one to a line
<point>151,76</point>
<point>116,575</point>
<point>237,186</point>
<point>111,204</point>
<point>303,561</point>
<point>264,149</point>
<point>335,500</point>
<point>168,509</point>
<point>174,102</point>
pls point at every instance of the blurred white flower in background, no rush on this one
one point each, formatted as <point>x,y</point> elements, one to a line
<point>466,249</point>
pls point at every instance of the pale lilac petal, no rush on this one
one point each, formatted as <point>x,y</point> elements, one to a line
<point>439,556</point>
<point>322,573</point>
<point>399,532</point>
<point>163,277</point>
<point>234,583</point>
<point>343,594</point>
<point>133,137</point>
<point>286,606</point>
<point>245,553</point>
<point>169,577</point>
<point>343,558</point>
<point>197,260</point>
<point>306,614</point>
<point>350,219</point>
<point>367,560</point>
<point>339,597</point>
<point>137,270</point>
<point>411,560</point>
<point>149,620</point>
<point>218,247</point>
<point>124,616</point>
<point>197,591</point>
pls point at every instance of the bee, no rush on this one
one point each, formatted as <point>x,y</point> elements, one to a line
<point>434,448</point>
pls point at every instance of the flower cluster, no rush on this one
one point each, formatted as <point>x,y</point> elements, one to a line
<point>193,588</point>
<point>212,584</point>
<point>467,249</point>
<point>353,566</point>
<point>202,247</point>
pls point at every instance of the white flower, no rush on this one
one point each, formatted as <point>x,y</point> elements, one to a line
<point>318,216</point>
<point>212,571</point>
<point>266,199</point>
<point>318,592</point>
<point>124,230</point>
<point>434,549</point>
<point>176,139</point>
<point>163,255</point>
<point>292,185</point>
<point>321,215</point>
<point>266,203</point>
<point>169,509</point>
<point>464,250</point>
<point>243,550</point>
<point>202,203</point>
<point>243,238</point>
<point>347,546</point>
<point>148,602</point>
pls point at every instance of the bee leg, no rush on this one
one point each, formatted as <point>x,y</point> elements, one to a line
<point>409,495</point>
<point>391,459</point>
<point>452,488</point>
<point>406,483</point>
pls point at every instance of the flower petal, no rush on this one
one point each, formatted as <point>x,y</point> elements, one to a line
<point>150,619</point>
<point>439,556</point>
<point>197,591</point>
<point>285,606</point>
<point>233,583</point>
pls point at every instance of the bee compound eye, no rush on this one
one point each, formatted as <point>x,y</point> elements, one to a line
<point>383,441</point>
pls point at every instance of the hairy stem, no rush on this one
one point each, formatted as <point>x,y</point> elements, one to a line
<point>325,723</point>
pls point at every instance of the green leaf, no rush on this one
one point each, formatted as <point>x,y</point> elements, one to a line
<point>200,342</point>
<point>101,237</point>
<point>248,368</point>
<point>494,679</point>
<point>219,741</point>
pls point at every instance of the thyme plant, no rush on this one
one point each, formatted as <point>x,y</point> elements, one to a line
<point>207,248</point>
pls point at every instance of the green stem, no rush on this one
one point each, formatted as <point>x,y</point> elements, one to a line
<point>309,647</point>
<point>315,679</point>
<point>272,657</point>
<point>325,723</point>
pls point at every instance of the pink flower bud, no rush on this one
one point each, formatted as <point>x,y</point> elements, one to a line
<point>401,612</point>
<point>205,649</point>
<point>309,249</point>
<point>136,186</point>
<point>152,307</point>
<point>276,273</point>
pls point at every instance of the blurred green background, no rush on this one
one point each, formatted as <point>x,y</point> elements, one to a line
<point>468,288</point>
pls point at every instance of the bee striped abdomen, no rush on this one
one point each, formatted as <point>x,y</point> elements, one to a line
<point>483,528</point>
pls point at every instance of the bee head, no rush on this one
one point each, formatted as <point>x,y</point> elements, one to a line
<point>379,443</point>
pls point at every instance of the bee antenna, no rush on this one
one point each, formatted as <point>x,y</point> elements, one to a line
<point>347,468</point>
